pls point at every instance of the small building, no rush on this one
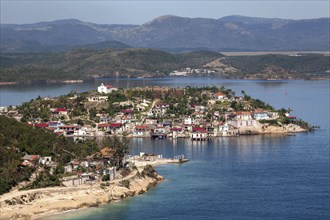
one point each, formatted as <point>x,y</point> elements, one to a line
<point>60,111</point>
<point>188,121</point>
<point>105,88</point>
<point>261,116</point>
<point>151,121</point>
<point>45,160</point>
<point>219,96</point>
<point>140,130</point>
<point>99,99</point>
<point>199,135</point>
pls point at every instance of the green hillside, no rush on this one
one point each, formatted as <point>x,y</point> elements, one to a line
<point>87,63</point>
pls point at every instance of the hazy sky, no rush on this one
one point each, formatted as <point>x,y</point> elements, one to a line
<point>139,12</point>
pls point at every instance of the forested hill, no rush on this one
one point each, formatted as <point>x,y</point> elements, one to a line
<point>18,139</point>
<point>87,63</point>
<point>173,33</point>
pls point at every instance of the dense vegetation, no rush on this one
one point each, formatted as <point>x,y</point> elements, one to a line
<point>279,66</point>
<point>18,139</point>
<point>87,63</point>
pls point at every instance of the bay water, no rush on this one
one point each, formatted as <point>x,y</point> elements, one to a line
<point>246,177</point>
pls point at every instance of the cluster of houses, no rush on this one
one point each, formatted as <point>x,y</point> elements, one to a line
<point>157,123</point>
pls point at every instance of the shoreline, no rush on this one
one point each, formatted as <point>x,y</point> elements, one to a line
<point>43,202</point>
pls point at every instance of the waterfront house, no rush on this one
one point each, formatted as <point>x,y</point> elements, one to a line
<point>140,130</point>
<point>199,134</point>
<point>243,116</point>
<point>259,115</point>
<point>116,127</point>
<point>105,88</point>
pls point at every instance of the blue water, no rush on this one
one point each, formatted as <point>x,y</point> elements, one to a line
<point>251,177</point>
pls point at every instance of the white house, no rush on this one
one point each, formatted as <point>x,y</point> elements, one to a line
<point>105,88</point>
<point>219,96</point>
<point>98,99</point>
<point>188,121</point>
<point>45,160</point>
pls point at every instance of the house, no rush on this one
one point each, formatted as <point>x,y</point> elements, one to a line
<point>127,111</point>
<point>30,160</point>
<point>260,115</point>
<point>103,126</point>
<point>99,99</point>
<point>104,119</point>
<point>60,111</point>
<point>105,88</point>
<point>55,124</point>
<point>198,114</point>
<point>188,121</point>
<point>219,96</point>
<point>199,134</point>
<point>80,132</point>
<point>45,160</point>
<point>151,121</point>
<point>68,168</point>
<point>68,129</point>
<point>243,116</point>
<point>292,119</point>
<point>199,108</point>
<point>140,130</point>
<point>116,127</point>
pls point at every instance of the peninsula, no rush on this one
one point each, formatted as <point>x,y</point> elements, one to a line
<point>82,173</point>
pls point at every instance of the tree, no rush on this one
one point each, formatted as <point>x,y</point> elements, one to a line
<point>120,149</point>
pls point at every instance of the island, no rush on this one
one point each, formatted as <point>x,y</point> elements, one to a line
<point>51,163</point>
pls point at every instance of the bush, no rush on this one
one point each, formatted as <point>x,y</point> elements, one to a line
<point>106,177</point>
<point>125,183</point>
<point>270,122</point>
<point>149,171</point>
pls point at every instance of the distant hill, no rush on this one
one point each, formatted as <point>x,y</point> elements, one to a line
<point>88,64</point>
<point>173,33</point>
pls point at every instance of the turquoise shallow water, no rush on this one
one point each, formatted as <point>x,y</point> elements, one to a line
<point>249,177</point>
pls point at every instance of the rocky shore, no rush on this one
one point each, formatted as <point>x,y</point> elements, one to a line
<point>38,203</point>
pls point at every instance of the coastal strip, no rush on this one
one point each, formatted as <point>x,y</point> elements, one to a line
<point>40,203</point>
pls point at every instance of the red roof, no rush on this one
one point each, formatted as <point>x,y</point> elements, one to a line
<point>103,125</point>
<point>61,110</point>
<point>219,94</point>
<point>127,111</point>
<point>41,125</point>
<point>176,129</point>
<point>108,86</point>
<point>115,125</point>
<point>140,127</point>
<point>198,129</point>
<point>50,129</point>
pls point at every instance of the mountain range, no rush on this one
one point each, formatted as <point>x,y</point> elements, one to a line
<point>171,33</point>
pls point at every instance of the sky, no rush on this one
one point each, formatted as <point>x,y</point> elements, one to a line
<point>139,12</point>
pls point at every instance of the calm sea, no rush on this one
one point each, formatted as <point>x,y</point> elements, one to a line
<point>249,177</point>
